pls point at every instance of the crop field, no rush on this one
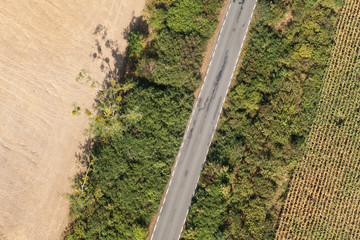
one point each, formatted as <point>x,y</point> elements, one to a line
<point>324,197</point>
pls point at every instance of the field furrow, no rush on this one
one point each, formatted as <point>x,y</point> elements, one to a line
<point>324,201</point>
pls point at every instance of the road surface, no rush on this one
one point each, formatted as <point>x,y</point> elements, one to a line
<point>203,121</point>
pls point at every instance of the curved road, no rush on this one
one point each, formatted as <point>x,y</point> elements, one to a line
<point>203,121</point>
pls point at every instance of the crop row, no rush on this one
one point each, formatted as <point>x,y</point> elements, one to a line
<point>324,201</point>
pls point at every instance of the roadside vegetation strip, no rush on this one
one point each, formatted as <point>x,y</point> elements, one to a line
<point>266,119</point>
<point>323,202</point>
<point>130,164</point>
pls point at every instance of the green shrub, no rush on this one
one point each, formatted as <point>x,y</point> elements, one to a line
<point>264,125</point>
<point>130,168</point>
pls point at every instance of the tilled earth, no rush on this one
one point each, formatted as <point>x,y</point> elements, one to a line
<point>43,46</point>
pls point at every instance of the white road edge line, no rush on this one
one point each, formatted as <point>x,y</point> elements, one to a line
<point>218,117</point>
<point>176,160</point>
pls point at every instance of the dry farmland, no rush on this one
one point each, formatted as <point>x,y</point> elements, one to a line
<point>324,197</point>
<point>43,46</point>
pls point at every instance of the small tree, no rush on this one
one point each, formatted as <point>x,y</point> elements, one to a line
<point>106,120</point>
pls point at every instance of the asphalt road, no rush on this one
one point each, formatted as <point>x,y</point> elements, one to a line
<point>203,121</point>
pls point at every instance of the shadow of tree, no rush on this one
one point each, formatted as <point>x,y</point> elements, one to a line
<point>84,152</point>
<point>138,25</point>
<point>108,52</point>
<point>112,64</point>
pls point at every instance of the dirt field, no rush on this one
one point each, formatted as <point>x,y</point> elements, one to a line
<point>43,46</point>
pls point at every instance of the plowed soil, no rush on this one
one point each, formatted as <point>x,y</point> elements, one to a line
<point>43,46</point>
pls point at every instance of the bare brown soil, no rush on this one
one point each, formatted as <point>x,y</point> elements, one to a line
<point>280,26</point>
<point>43,46</point>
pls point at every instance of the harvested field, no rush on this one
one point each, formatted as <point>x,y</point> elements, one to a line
<point>43,46</point>
<point>324,197</point>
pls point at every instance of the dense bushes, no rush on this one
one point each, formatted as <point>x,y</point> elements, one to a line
<point>174,61</point>
<point>265,122</point>
<point>129,170</point>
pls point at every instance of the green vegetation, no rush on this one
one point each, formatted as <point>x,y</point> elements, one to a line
<point>174,57</point>
<point>323,201</point>
<point>138,123</point>
<point>266,120</point>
